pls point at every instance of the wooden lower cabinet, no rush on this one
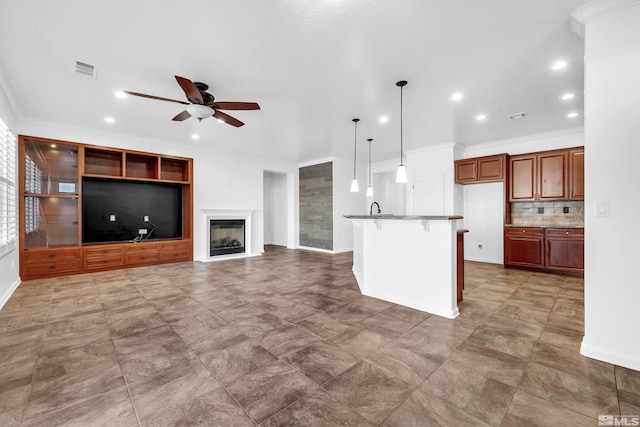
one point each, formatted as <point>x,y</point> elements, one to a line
<point>564,249</point>
<point>41,263</point>
<point>549,249</point>
<point>524,246</point>
<point>460,263</point>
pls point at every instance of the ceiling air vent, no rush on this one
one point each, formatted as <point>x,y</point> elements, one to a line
<point>87,70</point>
<point>517,116</point>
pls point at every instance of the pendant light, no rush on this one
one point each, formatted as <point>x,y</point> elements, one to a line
<point>354,183</point>
<point>369,187</point>
<point>401,175</point>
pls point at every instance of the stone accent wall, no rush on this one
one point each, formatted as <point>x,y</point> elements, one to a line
<point>316,206</point>
<point>527,213</point>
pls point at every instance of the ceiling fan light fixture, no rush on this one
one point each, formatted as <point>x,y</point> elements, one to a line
<point>199,111</point>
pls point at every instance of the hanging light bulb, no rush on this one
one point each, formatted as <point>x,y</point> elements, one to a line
<point>369,187</point>
<point>401,175</point>
<point>354,183</point>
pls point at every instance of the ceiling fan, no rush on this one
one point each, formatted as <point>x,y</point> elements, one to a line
<point>202,104</point>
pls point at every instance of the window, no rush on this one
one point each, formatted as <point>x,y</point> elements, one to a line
<point>8,216</point>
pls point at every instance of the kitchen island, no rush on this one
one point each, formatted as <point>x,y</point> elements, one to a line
<point>407,260</point>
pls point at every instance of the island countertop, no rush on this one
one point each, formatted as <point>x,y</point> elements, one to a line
<point>407,217</point>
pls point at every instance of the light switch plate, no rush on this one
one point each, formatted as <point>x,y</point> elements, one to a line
<point>603,208</point>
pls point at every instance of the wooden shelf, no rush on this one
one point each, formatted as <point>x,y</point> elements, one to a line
<point>103,162</point>
<point>141,166</point>
<point>174,169</point>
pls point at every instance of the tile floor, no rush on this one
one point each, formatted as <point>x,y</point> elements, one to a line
<point>287,339</point>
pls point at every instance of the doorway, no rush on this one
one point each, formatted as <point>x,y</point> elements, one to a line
<point>276,209</point>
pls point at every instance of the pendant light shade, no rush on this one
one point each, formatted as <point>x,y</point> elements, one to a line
<point>401,175</point>
<point>369,187</point>
<point>354,183</point>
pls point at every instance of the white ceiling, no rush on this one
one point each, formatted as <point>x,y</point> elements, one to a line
<point>312,66</point>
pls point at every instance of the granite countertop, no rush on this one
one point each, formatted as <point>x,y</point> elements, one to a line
<point>406,217</point>
<point>544,226</point>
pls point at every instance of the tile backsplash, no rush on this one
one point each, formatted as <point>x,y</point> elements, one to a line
<point>548,213</point>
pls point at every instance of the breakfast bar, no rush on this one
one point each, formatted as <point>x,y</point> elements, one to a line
<point>407,260</point>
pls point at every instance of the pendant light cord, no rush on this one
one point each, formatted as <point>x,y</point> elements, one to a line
<point>401,148</point>
<point>355,151</point>
<point>369,177</point>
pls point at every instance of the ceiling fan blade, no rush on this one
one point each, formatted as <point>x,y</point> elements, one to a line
<point>154,97</point>
<point>192,92</point>
<point>227,119</point>
<point>182,116</point>
<point>235,105</point>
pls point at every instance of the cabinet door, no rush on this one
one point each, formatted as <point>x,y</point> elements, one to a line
<point>466,170</point>
<point>524,246</point>
<point>490,169</point>
<point>552,176</point>
<point>523,171</point>
<point>576,174</point>
<point>564,249</point>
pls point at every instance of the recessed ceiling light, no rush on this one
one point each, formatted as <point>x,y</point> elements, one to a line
<point>567,96</point>
<point>383,119</point>
<point>195,136</point>
<point>120,94</point>
<point>572,115</point>
<point>109,120</point>
<point>559,64</point>
<point>457,96</point>
<point>481,117</point>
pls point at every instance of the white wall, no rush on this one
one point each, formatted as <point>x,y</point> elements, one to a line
<point>391,197</point>
<point>483,212</point>
<point>275,209</point>
<point>612,103</point>
<point>221,180</point>
<point>346,203</point>
<point>9,277</point>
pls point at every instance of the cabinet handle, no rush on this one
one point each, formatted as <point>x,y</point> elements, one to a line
<point>524,231</point>
<point>566,232</point>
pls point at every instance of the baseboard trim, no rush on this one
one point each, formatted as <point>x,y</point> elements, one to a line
<point>309,248</point>
<point>609,356</point>
<point>488,261</point>
<point>5,297</point>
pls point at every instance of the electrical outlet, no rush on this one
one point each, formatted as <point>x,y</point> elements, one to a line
<point>112,218</point>
<point>145,218</point>
<point>540,210</point>
<point>142,231</point>
<point>480,246</point>
<point>565,209</point>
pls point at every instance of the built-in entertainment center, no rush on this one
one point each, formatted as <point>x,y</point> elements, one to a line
<point>86,208</point>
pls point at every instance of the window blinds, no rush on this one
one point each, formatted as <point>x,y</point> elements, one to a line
<point>8,160</point>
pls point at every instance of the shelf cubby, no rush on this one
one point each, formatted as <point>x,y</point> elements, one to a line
<point>141,166</point>
<point>102,162</point>
<point>174,169</point>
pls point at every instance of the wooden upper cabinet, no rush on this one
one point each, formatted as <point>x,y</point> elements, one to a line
<point>466,170</point>
<point>576,174</point>
<point>553,176</point>
<point>480,169</point>
<point>522,170</point>
<point>546,175</point>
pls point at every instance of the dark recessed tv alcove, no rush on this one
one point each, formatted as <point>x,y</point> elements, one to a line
<point>114,211</point>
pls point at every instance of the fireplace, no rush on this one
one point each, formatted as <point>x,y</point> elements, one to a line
<point>227,236</point>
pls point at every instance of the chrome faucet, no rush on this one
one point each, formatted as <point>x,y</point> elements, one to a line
<point>371,208</point>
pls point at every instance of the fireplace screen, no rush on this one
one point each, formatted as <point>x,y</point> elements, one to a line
<point>227,236</point>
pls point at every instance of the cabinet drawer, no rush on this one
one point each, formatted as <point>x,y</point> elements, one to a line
<point>574,233</point>
<point>177,245</point>
<point>103,257</point>
<point>31,257</point>
<point>184,255</point>
<point>524,231</point>
<point>53,268</point>
<point>141,254</point>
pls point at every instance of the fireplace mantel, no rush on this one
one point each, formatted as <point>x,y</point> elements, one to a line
<point>217,214</point>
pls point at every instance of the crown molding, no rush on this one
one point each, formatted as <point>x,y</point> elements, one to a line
<point>595,10</point>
